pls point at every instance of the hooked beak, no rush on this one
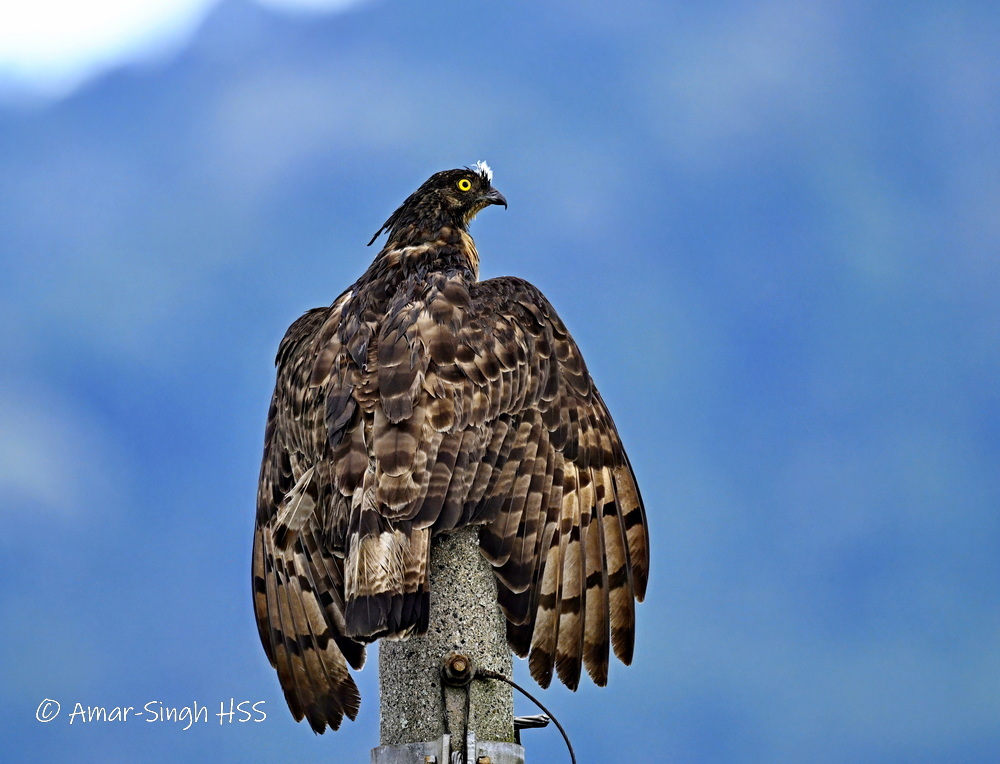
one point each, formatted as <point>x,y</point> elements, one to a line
<point>494,197</point>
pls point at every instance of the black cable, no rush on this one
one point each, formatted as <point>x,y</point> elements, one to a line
<point>487,674</point>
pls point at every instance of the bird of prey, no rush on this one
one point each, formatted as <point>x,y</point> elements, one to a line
<point>421,401</point>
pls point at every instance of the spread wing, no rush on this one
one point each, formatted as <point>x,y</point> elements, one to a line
<point>488,415</point>
<point>454,402</point>
<point>298,577</point>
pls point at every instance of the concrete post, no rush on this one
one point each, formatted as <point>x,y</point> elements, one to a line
<point>465,618</point>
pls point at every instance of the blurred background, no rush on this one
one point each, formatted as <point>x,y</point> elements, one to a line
<point>772,227</point>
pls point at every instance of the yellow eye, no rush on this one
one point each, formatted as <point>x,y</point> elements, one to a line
<point>464,184</point>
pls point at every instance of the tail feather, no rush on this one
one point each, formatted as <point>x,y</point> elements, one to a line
<point>386,577</point>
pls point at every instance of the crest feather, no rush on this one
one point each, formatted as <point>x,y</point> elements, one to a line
<point>484,169</point>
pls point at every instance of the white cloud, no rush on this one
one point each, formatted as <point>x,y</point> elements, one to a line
<point>52,46</point>
<point>54,457</point>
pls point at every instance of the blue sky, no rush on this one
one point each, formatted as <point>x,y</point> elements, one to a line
<point>771,228</point>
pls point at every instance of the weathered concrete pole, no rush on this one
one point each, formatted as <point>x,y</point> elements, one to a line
<point>465,618</point>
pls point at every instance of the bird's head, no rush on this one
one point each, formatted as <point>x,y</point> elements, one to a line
<point>447,198</point>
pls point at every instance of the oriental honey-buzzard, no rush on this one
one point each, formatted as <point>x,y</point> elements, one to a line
<point>424,400</point>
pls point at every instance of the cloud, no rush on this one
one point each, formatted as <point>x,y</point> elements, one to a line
<point>54,458</point>
<point>51,47</point>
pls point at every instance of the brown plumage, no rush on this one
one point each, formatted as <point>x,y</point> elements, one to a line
<point>421,401</point>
